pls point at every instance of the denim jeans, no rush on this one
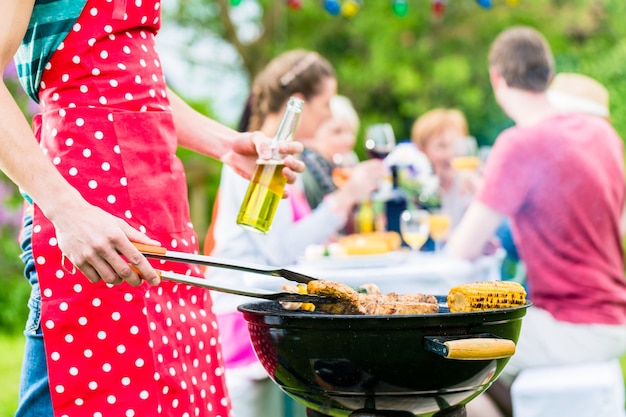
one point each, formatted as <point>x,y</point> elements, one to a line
<point>34,395</point>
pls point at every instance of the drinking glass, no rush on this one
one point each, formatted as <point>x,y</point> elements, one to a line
<point>465,154</point>
<point>414,228</point>
<point>379,140</point>
<point>439,224</point>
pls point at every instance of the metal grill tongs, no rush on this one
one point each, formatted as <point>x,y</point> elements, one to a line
<point>158,252</point>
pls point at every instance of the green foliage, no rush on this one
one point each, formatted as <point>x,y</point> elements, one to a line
<point>395,68</point>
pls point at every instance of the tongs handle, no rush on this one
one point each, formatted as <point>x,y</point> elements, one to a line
<point>159,252</point>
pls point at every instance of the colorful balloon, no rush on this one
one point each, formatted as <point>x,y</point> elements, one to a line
<point>400,7</point>
<point>332,7</point>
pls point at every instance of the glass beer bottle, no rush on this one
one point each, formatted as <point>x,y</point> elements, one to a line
<point>268,182</point>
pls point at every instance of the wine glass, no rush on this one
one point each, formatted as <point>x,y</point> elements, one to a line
<point>414,227</point>
<point>379,140</point>
<point>439,224</point>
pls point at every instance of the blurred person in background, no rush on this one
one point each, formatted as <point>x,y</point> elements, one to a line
<point>330,149</point>
<point>442,134</point>
<point>310,77</point>
<point>559,177</point>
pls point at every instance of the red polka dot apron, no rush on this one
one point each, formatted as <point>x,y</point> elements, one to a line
<point>106,124</point>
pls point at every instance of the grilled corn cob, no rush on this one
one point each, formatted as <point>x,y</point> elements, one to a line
<point>486,296</point>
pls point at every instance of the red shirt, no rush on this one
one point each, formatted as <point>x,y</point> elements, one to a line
<point>562,184</point>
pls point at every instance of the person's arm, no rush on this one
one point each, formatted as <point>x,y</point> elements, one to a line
<point>477,227</point>
<point>90,238</point>
<point>238,150</point>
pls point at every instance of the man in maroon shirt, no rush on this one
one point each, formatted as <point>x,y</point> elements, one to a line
<point>559,177</point>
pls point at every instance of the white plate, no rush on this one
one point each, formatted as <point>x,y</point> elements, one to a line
<point>355,261</point>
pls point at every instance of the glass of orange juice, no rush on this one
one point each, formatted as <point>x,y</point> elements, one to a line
<point>439,224</point>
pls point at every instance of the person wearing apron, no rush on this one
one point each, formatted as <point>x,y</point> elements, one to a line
<point>106,124</point>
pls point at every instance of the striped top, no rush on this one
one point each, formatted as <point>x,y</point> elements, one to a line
<point>50,23</point>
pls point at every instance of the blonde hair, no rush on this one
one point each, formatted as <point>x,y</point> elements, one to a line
<point>436,121</point>
<point>296,71</point>
<point>579,93</point>
<point>341,108</point>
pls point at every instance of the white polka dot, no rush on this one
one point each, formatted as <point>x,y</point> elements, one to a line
<point>96,302</point>
<point>102,335</point>
<point>80,122</point>
<point>128,96</point>
<point>88,353</point>
<point>108,28</point>
<point>61,46</point>
<point>128,214</point>
<point>123,181</point>
<point>59,389</point>
<point>73,171</point>
<point>111,199</point>
<point>65,78</point>
<point>63,306</point>
<point>95,72</point>
<point>56,160</point>
<point>113,83</point>
<point>98,135</point>
<point>78,288</point>
<point>76,27</point>
<point>102,100</point>
<point>117,149</point>
<point>139,363</point>
<point>49,324</point>
<point>120,349</point>
<point>125,381</point>
<point>121,66</point>
<point>130,413</point>
<point>104,54</point>
<point>126,49</point>
<point>93,385</point>
<point>93,11</point>
<point>55,356</point>
<point>73,371</point>
<point>82,321</point>
<point>138,79</point>
<point>93,184</point>
<point>106,367</point>
<point>59,273</point>
<point>91,42</point>
<point>116,316</point>
<point>76,59</point>
<point>111,399</point>
<point>69,338</point>
<point>83,89</point>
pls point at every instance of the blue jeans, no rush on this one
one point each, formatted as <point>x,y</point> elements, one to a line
<point>34,395</point>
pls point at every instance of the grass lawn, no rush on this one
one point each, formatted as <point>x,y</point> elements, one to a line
<point>10,363</point>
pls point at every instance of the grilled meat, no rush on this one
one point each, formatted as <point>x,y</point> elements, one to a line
<point>351,302</point>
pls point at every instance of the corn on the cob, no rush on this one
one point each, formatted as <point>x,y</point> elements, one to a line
<point>486,296</point>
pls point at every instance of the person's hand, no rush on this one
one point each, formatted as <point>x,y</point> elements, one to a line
<point>365,178</point>
<point>249,146</point>
<point>99,245</point>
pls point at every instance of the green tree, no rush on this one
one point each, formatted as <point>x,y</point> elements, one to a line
<point>395,68</point>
